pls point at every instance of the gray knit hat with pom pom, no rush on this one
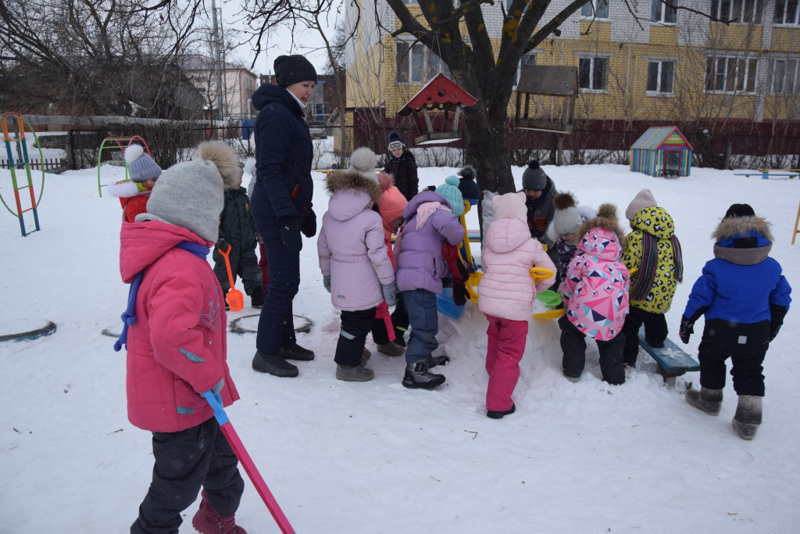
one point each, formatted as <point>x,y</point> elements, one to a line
<point>534,177</point>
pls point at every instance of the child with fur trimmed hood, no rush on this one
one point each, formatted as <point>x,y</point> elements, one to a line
<point>595,291</point>
<point>744,297</point>
<point>507,292</point>
<point>355,264</point>
<point>654,259</point>
<point>177,346</point>
<point>133,193</point>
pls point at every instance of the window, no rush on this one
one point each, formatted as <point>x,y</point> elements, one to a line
<point>786,12</point>
<point>527,59</point>
<point>783,76</point>
<point>744,11</point>
<point>730,75</point>
<point>417,64</point>
<point>592,73</point>
<point>660,77</point>
<point>661,12</point>
<point>595,8</point>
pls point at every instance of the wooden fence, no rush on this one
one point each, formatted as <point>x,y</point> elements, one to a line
<point>50,164</point>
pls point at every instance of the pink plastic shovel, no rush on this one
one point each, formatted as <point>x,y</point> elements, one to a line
<point>247,463</point>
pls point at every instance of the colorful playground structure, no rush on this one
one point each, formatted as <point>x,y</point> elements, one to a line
<point>13,125</point>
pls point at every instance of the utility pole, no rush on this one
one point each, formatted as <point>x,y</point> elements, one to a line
<point>217,64</point>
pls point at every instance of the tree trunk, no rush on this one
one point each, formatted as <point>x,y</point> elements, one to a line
<point>486,149</point>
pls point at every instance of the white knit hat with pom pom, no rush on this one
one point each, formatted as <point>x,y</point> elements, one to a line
<point>363,161</point>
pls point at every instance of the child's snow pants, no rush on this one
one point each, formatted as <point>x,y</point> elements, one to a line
<point>197,457</point>
<point>655,331</point>
<point>745,344</point>
<point>506,346</point>
<point>573,344</point>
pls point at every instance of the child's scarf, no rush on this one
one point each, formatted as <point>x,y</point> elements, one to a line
<point>646,276</point>
<point>426,209</point>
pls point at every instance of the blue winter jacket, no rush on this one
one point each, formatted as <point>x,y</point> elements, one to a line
<point>742,281</point>
<point>283,156</point>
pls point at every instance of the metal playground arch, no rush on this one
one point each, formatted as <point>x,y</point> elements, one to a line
<point>117,143</point>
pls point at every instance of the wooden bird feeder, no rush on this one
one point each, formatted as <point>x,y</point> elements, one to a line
<point>444,97</point>
<point>546,97</point>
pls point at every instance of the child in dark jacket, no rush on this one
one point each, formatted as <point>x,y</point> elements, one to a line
<point>237,236</point>
<point>177,349</point>
<point>467,185</point>
<point>653,257</point>
<point>596,298</point>
<point>421,266</point>
<point>744,297</point>
<point>402,166</point>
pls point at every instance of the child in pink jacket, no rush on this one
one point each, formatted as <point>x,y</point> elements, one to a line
<point>356,267</point>
<point>506,293</point>
<point>177,349</point>
<point>595,291</point>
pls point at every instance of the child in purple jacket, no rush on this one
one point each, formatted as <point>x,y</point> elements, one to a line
<point>355,264</point>
<point>420,268</point>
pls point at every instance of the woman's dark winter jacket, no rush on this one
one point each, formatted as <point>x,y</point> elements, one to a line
<point>283,157</point>
<point>404,172</point>
<point>236,225</point>
<point>742,284</point>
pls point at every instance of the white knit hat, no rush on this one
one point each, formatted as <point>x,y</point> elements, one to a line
<point>363,161</point>
<point>567,217</point>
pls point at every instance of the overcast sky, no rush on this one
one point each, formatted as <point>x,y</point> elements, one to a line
<point>308,44</point>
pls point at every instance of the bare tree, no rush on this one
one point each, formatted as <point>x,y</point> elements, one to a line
<point>95,56</point>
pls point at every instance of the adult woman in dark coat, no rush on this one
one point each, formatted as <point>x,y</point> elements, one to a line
<point>281,206</point>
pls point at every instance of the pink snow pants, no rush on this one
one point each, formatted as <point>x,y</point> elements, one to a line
<point>506,346</point>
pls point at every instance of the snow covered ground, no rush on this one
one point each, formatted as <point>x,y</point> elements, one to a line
<point>375,457</point>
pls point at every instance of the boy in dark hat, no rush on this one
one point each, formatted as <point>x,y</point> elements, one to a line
<point>540,191</point>
<point>402,165</point>
<point>741,319</point>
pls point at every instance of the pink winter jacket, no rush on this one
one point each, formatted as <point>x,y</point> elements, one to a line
<point>597,284</point>
<point>506,289</point>
<point>351,244</point>
<point>177,347</point>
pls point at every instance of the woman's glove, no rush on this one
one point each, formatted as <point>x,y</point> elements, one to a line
<point>309,224</point>
<point>390,294</point>
<point>290,233</point>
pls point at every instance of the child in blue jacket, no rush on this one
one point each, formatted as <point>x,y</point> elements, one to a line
<point>744,297</point>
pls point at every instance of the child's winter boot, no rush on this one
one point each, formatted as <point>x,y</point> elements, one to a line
<point>257,298</point>
<point>391,349</point>
<point>208,521</point>
<point>418,377</point>
<point>359,373</point>
<point>707,400</point>
<point>748,416</point>
<point>365,356</point>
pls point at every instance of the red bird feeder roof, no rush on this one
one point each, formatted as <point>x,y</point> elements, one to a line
<point>440,93</point>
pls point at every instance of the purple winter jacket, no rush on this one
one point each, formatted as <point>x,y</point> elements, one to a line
<point>420,262</point>
<point>351,245</point>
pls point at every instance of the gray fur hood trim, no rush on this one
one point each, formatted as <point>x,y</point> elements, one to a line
<point>353,180</point>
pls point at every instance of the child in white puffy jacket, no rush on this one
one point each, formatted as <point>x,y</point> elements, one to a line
<point>507,292</point>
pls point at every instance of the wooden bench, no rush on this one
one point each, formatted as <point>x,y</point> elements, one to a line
<point>672,360</point>
<point>766,173</point>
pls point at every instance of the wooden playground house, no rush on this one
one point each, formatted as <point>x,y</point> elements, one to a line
<point>662,151</point>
